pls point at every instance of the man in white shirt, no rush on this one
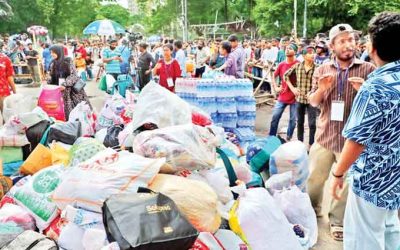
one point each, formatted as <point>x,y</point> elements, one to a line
<point>202,56</point>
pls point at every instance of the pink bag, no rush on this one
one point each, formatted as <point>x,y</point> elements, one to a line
<point>51,101</point>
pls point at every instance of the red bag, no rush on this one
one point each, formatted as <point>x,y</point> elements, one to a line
<point>51,101</point>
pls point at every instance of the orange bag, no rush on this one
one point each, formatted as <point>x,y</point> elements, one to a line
<point>39,158</point>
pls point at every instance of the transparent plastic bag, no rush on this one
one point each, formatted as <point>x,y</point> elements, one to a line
<point>83,113</point>
<point>291,156</point>
<point>297,207</point>
<point>186,146</point>
<point>88,184</point>
<point>158,106</point>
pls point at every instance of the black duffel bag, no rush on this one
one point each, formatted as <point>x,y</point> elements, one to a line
<point>146,221</point>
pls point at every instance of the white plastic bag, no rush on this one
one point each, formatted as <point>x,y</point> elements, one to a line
<point>219,182</point>
<point>279,182</point>
<point>17,104</point>
<point>84,114</point>
<point>34,196</point>
<point>10,139</point>
<point>261,223</point>
<point>159,106</point>
<point>229,239</point>
<point>71,237</point>
<point>297,207</point>
<point>110,113</point>
<point>207,241</point>
<point>108,172</point>
<point>188,147</point>
<point>94,239</point>
<point>291,156</point>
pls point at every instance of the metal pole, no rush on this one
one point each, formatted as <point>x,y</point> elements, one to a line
<point>215,24</point>
<point>183,20</point>
<point>295,19</point>
<point>305,20</point>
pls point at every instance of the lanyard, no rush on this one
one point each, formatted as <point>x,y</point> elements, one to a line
<point>341,79</point>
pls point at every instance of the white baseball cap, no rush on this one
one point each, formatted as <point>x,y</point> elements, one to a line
<point>339,29</point>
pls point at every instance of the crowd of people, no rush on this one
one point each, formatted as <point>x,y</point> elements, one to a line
<point>352,91</point>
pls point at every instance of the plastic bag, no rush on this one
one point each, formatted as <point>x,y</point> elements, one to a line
<point>291,156</point>
<point>54,229</point>
<point>195,199</point>
<point>11,168</point>
<point>158,106</point>
<point>110,113</point>
<point>7,138</point>
<point>59,155</point>
<point>65,132</point>
<point>52,102</point>
<point>10,154</point>
<point>19,123</point>
<point>207,241</point>
<point>83,113</point>
<point>17,104</point>
<point>71,237</point>
<point>84,149</point>
<point>94,239</point>
<point>5,185</point>
<point>186,146</point>
<point>111,139</point>
<point>39,158</point>
<point>34,196</point>
<point>229,240</point>
<point>279,182</point>
<point>259,153</point>
<point>13,221</point>
<point>297,207</point>
<point>217,180</point>
<point>260,223</point>
<point>88,184</point>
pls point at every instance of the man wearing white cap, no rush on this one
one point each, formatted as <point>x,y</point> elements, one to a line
<point>334,89</point>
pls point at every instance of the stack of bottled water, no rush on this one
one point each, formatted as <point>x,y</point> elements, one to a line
<point>246,110</point>
<point>226,103</point>
<point>186,88</point>
<point>229,102</point>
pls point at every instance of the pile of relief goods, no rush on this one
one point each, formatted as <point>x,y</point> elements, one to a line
<point>151,173</point>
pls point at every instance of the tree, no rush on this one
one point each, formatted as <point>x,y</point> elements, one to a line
<point>116,13</point>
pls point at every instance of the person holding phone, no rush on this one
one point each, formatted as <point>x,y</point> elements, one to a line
<point>167,69</point>
<point>112,59</point>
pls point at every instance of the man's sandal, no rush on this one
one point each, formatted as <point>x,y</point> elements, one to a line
<point>337,232</point>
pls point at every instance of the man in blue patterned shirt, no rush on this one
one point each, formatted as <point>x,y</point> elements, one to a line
<point>373,147</point>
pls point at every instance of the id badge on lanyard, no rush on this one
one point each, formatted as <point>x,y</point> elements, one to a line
<point>170,81</point>
<point>337,108</point>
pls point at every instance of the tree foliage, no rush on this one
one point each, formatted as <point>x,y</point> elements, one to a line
<point>61,17</point>
<point>268,17</point>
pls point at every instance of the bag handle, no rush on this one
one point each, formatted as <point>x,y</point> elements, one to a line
<point>37,241</point>
<point>229,168</point>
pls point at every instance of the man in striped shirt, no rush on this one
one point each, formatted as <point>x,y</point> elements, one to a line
<point>334,94</point>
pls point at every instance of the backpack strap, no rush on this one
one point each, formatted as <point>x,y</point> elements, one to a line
<point>229,168</point>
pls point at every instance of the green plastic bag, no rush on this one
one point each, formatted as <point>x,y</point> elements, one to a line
<point>84,149</point>
<point>103,83</point>
<point>11,154</point>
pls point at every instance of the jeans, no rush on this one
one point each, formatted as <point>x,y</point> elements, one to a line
<point>257,72</point>
<point>367,226</point>
<point>200,71</point>
<point>312,118</point>
<point>276,116</point>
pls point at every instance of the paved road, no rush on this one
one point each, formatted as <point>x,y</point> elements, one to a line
<point>264,113</point>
